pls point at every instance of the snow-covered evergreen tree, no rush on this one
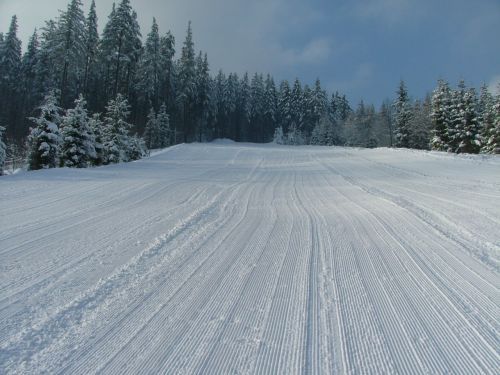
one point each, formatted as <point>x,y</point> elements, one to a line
<point>45,137</point>
<point>116,139</point>
<point>186,80</point>
<point>151,132</point>
<point>46,62</point>
<point>420,125</point>
<point>149,70</point>
<point>257,90</point>
<point>279,137</point>
<point>464,130</point>
<point>491,127</point>
<point>402,117</point>
<point>28,69</point>
<point>284,106</point>
<point>91,40</point>
<point>319,102</point>
<point>120,48</point>
<point>136,148</point>
<point>10,69</point>
<point>441,117</point>
<point>295,136</point>
<point>163,123</point>
<point>77,147</point>
<point>168,73</point>
<point>297,104</point>
<point>270,107</point>
<point>70,49</point>
<point>3,149</point>
<point>202,96</point>
<point>96,127</point>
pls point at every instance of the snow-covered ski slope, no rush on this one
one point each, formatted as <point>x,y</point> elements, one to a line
<point>229,258</point>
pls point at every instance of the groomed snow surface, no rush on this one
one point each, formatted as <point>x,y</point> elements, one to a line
<point>236,258</point>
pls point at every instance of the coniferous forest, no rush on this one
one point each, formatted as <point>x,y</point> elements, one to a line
<point>76,97</point>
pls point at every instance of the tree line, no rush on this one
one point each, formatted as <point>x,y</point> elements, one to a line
<point>166,100</point>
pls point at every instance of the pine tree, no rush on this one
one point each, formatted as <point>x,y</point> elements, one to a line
<point>163,123</point>
<point>97,129</point>
<point>77,148</point>
<point>120,48</point>
<point>402,117</point>
<point>116,139</point>
<point>297,104</point>
<point>151,133</point>
<point>202,95</point>
<point>270,107</point>
<point>441,117</point>
<point>70,49</point>
<point>257,108</point>
<point>284,106</point>
<point>469,132</point>
<point>136,148</point>
<point>3,150</point>
<point>45,137</point>
<point>167,77</point>
<point>491,127</point>
<point>10,65</point>
<point>420,125</point>
<point>319,102</point>
<point>187,84</point>
<point>149,70</point>
<point>295,136</point>
<point>91,46</point>
<point>28,74</point>
<point>46,62</point>
<point>279,137</point>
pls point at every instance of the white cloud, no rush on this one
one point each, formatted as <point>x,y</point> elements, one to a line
<point>314,52</point>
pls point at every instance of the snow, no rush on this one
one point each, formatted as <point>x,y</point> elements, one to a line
<point>237,258</point>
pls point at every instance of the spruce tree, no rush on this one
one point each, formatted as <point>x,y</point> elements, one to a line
<point>77,148</point>
<point>319,102</point>
<point>284,106</point>
<point>257,108</point>
<point>3,150</point>
<point>97,129</point>
<point>150,69</point>
<point>120,48</point>
<point>10,65</point>
<point>402,117</point>
<point>45,137</point>
<point>420,125</point>
<point>70,49</point>
<point>457,111</point>
<point>441,117</point>
<point>485,116</point>
<point>270,107</point>
<point>279,137</point>
<point>116,139</point>
<point>91,40</point>
<point>167,71</point>
<point>296,104</point>
<point>202,96</point>
<point>491,127</point>
<point>467,131</point>
<point>46,63</point>
<point>151,132</point>
<point>187,84</point>
<point>28,78</point>
<point>163,123</point>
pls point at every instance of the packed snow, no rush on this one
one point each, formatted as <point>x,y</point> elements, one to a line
<point>233,258</point>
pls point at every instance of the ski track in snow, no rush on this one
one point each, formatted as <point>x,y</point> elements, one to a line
<point>230,258</point>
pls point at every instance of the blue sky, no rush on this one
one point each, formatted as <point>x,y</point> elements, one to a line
<point>362,48</point>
